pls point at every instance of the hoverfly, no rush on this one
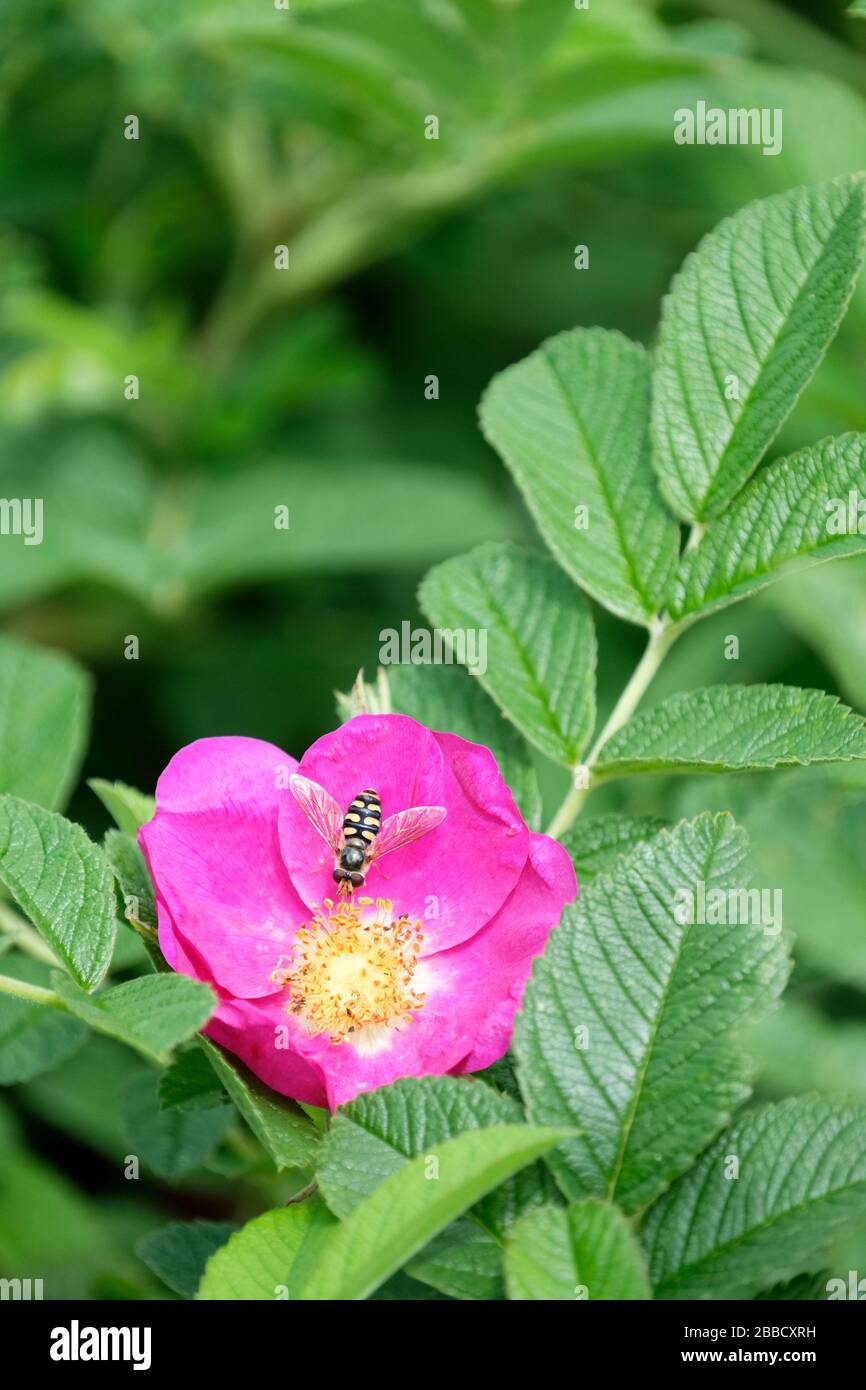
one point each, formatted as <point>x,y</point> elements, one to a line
<point>359,838</point>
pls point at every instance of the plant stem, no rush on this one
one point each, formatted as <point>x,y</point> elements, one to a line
<point>663,634</point>
<point>696,535</point>
<point>24,937</point>
<point>30,994</point>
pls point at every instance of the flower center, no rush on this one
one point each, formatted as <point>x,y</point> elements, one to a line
<point>352,970</point>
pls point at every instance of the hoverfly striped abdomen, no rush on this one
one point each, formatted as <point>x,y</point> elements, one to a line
<point>363,820</point>
<point>361,824</point>
<point>359,838</point>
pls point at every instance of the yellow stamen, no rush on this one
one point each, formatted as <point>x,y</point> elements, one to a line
<point>348,974</point>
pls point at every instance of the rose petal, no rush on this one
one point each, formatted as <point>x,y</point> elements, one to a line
<point>502,954</point>
<point>473,991</point>
<point>213,852</point>
<point>455,877</point>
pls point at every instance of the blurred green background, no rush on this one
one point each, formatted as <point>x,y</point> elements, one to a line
<point>305,388</point>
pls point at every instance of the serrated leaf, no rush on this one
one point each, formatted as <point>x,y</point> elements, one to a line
<point>779,521</point>
<point>32,1039</point>
<point>190,1083</point>
<point>379,1132</point>
<point>287,1134</point>
<point>736,728</point>
<point>411,1206</point>
<point>44,716</point>
<point>128,808</point>
<point>464,1261</point>
<point>809,1287</point>
<point>401,1289</point>
<point>802,1176</point>
<point>502,1077</point>
<point>597,842</point>
<point>129,868</point>
<point>171,1143</point>
<point>271,1257</point>
<point>630,1023</point>
<point>571,421</point>
<point>151,1014</point>
<point>376,1135</point>
<point>448,698</point>
<point>178,1253</point>
<point>539,661</point>
<point>583,1251</point>
<point>60,879</point>
<point>756,305</point>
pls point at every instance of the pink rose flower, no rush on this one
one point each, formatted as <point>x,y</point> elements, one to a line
<point>419,971</point>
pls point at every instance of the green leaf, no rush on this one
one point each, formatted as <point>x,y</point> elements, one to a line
<point>171,1143</point>
<point>32,1039</point>
<point>151,1014</point>
<point>279,1124</point>
<point>411,1206</point>
<point>571,421</point>
<point>448,698</point>
<point>401,1289</point>
<point>271,1257</point>
<point>630,1023</point>
<point>379,1132</point>
<point>129,868</point>
<point>596,843</point>
<point>44,717</point>
<point>802,1176</point>
<point>809,1287</point>
<point>60,879</point>
<point>584,1251</point>
<point>748,319</point>
<point>463,1261</point>
<point>190,1083</point>
<point>178,1253</point>
<point>735,728</point>
<point>538,654</point>
<point>128,807</point>
<point>780,520</point>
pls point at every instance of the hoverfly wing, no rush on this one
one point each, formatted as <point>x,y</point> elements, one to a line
<point>320,808</point>
<point>405,827</point>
